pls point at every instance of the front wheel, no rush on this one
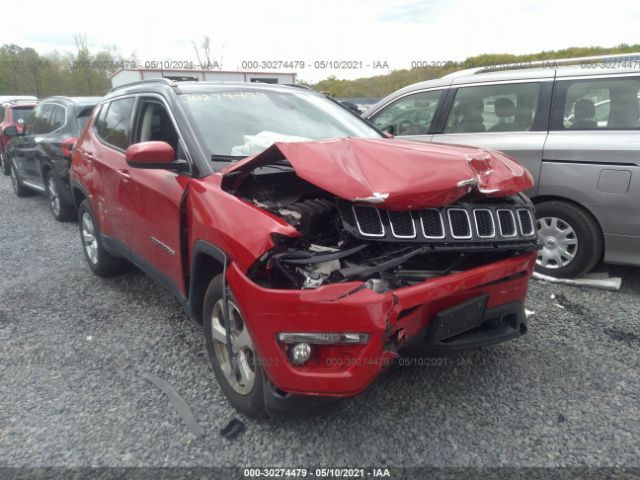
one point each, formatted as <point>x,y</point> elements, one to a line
<point>18,187</point>
<point>571,239</point>
<point>240,375</point>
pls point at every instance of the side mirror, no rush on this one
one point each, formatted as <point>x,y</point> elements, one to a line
<point>11,131</point>
<point>154,155</point>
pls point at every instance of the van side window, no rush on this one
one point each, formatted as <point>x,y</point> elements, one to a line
<point>410,115</point>
<point>114,125</point>
<point>606,104</point>
<point>509,107</point>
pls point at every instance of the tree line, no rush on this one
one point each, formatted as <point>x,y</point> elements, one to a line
<point>24,71</point>
<point>382,85</point>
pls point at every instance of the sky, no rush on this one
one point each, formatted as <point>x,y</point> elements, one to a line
<point>374,35</point>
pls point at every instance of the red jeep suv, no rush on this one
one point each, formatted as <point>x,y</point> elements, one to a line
<point>312,249</point>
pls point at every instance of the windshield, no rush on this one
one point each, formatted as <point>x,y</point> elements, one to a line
<point>242,123</point>
<point>20,114</point>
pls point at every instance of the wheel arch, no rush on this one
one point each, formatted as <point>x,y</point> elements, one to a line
<point>78,193</point>
<point>207,261</point>
<point>548,198</point>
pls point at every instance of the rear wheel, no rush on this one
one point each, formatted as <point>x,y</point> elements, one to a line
<point>101,262</point>
<point>4,164</point>
<point>18,187</point>
<point>61,210</point>
<point>242,378</point>
<point>571,239</point>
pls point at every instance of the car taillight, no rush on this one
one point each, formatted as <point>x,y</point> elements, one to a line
<point>67,147</point>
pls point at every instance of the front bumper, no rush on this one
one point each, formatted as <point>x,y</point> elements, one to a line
<point>394,320</point>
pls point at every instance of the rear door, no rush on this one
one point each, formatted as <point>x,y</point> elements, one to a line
<point>24,152</point>
<point>47,144</point>
<point>154,199</point>
<point>105,167</point>
<point>508,116</point>
<point>592,155</point>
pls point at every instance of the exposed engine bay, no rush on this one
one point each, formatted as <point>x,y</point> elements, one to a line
<point>343,241</point>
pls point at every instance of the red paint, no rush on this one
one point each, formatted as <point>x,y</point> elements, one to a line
<point>146,210</point>
<point>9,121</point>
<point>414,174</point>
<point>320,310</point>
<point>150,152</point>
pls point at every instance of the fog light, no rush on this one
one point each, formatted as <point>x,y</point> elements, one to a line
<point>300,353</point>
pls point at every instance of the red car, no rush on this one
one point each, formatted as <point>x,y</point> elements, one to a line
<point>13,113</point>
<point>312,249</point>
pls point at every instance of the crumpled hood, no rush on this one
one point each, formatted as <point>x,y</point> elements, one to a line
<point>396,174</point>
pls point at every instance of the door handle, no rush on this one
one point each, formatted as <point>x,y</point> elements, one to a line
<point>124,173</point>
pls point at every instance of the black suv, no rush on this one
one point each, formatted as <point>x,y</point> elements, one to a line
<point>40,157</point>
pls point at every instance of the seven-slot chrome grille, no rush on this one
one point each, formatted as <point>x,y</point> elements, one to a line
<point>457,223</point>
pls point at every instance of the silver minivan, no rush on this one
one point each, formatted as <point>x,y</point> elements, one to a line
<point>575,127</point>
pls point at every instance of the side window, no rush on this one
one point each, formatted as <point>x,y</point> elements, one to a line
<point>410,115</point>
<point>42,121</point>
<point>603,104</point>
<point>99,123</point>
<point>116,127</point>
<point>58,117</point>
<point>155,124</point>
<point>509,107</point>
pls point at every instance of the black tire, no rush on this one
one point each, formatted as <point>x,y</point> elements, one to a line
<point>18,187</point>
<point>252,403</point>
<point>5,165</point>
<point>587,231</point>
<point>104,264</point>
<point>60,209</point>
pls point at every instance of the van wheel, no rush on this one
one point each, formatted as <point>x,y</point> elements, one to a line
<point>101,262</point>
<point>18,187</point>
<point>571,240</point>
<point>61,210</point>
<point>241,381</point>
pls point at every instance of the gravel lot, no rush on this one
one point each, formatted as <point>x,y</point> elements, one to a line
<point>74,350</point>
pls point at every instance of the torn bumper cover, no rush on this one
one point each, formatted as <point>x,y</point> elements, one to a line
<point>489,298</point>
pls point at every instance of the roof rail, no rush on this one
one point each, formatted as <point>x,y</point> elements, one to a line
<point>543,63</point>
<point>165,81</point>
<point>297,85</point>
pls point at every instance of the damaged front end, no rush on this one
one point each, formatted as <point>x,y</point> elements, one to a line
<point>431,212</point>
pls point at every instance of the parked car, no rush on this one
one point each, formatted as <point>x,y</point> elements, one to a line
<point>40,155</point>
<point>12,113</point>
<point>310,247</point>
<point>576,128</point>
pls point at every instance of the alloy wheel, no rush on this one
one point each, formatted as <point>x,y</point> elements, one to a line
<point>89,238</point>
<point>241,373</point>
<point>559,243</point>
<point>14,179</point>
<point>54,197</point>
